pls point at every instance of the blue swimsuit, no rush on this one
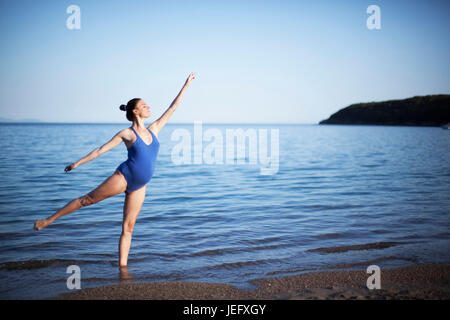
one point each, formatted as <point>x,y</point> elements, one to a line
<point>139,167</point>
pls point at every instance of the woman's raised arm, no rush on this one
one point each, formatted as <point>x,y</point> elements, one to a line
<point>97,152</point>
<point>157,125</point>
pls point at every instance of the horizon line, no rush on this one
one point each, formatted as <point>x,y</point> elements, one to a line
<point>173,123</point>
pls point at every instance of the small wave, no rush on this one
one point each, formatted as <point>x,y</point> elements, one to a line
<point>96,279</point>
<point>178,175</point>
<point>39,245</point>
<point>172,199</point>
<point>99,255</point>
<point>319,168</point>
<point>264,240</point>
<point>173,276</point>
<point>370,165</point>
<point>271,273</point>
<point>367,246</point>
<point>208,253</point>
<point>442,235</point>
<point>353,193</point>
<point>36,264</point>
<point>9,235</point>
<point>321,207</point>
<point>331,236</point>
<point>340,266</point>
<point>239,264</point>
<point>93,279</point>
<point>366,263</point>
<point>268,247</point>
<point>234,250</point>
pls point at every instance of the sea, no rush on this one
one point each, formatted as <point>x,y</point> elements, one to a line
<point>285,199</point>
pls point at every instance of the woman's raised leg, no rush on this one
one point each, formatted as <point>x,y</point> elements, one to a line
<point>113,185</point>
<point>131,208</point>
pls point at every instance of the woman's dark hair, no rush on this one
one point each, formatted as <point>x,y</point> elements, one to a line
<point>129,107</point>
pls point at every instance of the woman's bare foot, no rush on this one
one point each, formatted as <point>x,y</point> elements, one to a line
<point>41,224</point>
<point>125,276</point>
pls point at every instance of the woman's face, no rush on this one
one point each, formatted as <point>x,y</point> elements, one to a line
<point>142,109</point>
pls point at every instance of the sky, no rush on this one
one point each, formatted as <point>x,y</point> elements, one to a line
<point>255,61</point>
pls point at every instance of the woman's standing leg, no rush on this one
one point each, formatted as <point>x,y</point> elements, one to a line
<point>131,208</point>
<point>113,185</point>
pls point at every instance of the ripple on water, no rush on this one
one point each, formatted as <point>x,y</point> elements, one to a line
<point>37,264</point>
<point>367,246</point>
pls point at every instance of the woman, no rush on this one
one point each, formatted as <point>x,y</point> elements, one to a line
<point>132,175</point>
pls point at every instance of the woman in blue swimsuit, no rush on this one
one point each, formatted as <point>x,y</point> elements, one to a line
<point>130,176</point>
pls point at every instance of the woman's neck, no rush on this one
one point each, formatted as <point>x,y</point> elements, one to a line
<point>139,123</point>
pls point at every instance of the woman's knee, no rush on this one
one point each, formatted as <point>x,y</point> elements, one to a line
<point>88,199</point>
<point>127,227</point>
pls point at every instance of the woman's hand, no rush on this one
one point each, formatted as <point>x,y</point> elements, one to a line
<point>70,167</point>
<point>189,80</point>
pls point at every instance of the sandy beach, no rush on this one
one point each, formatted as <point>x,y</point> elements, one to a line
<point>426,281</point>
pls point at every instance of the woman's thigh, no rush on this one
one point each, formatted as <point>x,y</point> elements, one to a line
<point>132,206</point>
<point>112,186</point>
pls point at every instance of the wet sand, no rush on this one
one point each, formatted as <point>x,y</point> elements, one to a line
<point>431,281</point>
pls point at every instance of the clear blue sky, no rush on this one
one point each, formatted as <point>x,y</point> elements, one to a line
<point>256,61</point>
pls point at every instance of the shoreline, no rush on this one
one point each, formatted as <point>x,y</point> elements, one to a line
<point>420,281</point>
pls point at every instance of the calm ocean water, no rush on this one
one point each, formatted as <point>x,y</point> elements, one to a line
<point>336,186</point>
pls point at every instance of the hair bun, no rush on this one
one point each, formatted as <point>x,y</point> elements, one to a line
<point>123,107</point>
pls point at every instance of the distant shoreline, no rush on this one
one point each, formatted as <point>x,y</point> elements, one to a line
<point>217,124</point>
<point>429,111</point>
<point>173,123</point>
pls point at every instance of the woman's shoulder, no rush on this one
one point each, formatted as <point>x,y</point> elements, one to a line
<point>126,133</point>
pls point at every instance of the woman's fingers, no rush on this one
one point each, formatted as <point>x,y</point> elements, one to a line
<point>191,76</point>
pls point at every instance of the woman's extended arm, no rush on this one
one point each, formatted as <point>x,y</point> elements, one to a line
<point>97,152</point>
<point>161,122</point>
